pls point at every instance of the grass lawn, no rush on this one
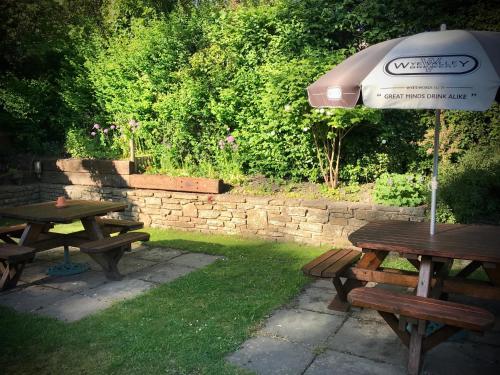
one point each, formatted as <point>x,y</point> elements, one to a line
<point>185,327</point>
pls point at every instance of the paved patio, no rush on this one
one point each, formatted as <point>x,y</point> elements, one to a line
<point>71,298</point>
<point>305,338</point>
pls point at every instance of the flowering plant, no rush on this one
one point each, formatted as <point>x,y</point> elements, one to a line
<point>115,137</point>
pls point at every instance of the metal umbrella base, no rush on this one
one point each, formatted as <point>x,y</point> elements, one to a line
<point>67,268</point>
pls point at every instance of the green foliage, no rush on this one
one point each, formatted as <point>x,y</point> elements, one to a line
<point>470,189</point>
<point>329,128</point>
<point>400,189</point>
<point>193,72</point>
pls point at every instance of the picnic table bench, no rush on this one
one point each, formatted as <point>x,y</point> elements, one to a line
<point>13,258</point>
<point>108,251</point>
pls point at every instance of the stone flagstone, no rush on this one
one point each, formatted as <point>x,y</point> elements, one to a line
<point>71,298</point>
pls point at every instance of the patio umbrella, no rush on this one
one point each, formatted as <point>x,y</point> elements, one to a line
<point>447,69</point>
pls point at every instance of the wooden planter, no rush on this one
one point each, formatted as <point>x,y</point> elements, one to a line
<point>120,174</point>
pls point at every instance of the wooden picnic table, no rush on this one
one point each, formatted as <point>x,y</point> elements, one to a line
<point>93,240</point>
<point>40,216</point>
<point>433,256</point>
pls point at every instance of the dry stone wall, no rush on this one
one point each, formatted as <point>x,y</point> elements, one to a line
<point>308,221</point>
<point>15,195</point>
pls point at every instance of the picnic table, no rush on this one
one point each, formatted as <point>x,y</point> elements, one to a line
<point>433,257</point>
<point>94,239</point>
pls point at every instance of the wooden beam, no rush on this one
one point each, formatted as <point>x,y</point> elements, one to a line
<point>122,167</point>
<point>473,288</point>
<point>189,184</point>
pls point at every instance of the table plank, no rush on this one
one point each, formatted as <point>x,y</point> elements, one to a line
<point>456,241</point>
<point>48,212</point>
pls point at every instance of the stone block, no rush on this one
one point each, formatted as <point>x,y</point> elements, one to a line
<point>296,211</point>
<point>239,214</point>
<point>338,221</point>
<point>229,198</point>
<point>284,218</point>
<point>317,216</point>
<point>171,206</point>
<point>319,204</point>
<point>311,227</point>
<point>237,220</point>
<point>208,214</point>
<point>186,196</point>
<point>256,219</point>
<point>152,201</point>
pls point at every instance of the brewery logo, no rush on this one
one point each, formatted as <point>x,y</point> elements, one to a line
<point>429,65</point>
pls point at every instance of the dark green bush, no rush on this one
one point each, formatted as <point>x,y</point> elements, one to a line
<point>470,189</point>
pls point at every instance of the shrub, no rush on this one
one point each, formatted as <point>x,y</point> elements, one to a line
<point>400,189</point>
<point>471,187</point>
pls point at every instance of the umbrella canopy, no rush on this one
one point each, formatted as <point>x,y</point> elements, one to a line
<point>453,69</point>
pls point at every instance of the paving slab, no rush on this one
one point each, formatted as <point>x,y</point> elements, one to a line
<point>316,299</point>
<point>130,264</point>
<point>271,356</point>
<point>76,283</point>
<point>32,298</point>
<point>462,358</point>
<point>369,339</point>
<point>332,363</point>
<point>55,255</point>
<point>301,326</point>
<point>195,260</point>
<point>162,273</point>
<point>157,254</point>
<point>74,307</point>
<point>119,290</point>
<point>36,271</point>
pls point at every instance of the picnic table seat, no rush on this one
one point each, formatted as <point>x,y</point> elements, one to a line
<point>332,265</point>
<point>13,258</point>
<point>118,225</point>
<point>453,317</point>
<point>108,251</point>
<point>11,231</point>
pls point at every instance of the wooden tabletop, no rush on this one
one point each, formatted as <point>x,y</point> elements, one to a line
<point>457,241</point>
<point>47,212</point>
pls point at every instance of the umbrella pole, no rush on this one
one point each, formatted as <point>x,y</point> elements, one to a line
<point>434,182</point>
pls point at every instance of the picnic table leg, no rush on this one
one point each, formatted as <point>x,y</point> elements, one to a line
<point>493,272</point>
<point>107,261</point>
<point>31,233</point>
<point>418,330</point>
<point>372,261</point>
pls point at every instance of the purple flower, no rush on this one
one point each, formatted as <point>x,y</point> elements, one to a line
<point>230,139</point>
<point>133,123</point>
<point>113,126</point>
<point>92,134</point>
<point>221,144</point>
<point>105,131</point>
<point>96,126</point>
